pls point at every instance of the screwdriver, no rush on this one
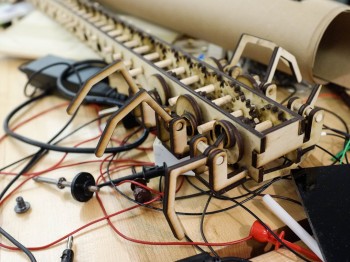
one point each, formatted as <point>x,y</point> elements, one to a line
<point>68,254</point>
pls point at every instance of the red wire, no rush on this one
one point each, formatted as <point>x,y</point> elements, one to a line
<point>163,243</point>
<point>106,216</point>
<point>33,117</point>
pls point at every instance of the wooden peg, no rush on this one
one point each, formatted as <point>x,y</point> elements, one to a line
<point>163,63</point>
<point>93,19</point>
<point>107,50</point>
<point>93,38</point>
<point>107,28</point>
<point>201,146</point>
<point>172,101</point>
<point>71,25</point>
<point>208,89</point>
<point>100,23</point>
<point>206,127</point>
<point>178,71</point>
<point>108,111</point>
<point>87,15</point>
<point>136,71</point>
<point>263,126</point>
<point>132,43</point>
<point>115,33</point>
<point>142,49</point>
<point>117,56</point>
<point>122,38</point>
<point>190,80</point>
<point>237,113</point>
<point>222,100</point>
<point>152,56</point>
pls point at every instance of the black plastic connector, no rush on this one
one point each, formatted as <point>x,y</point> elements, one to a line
<point>100,93</point>
<point>146,174</point>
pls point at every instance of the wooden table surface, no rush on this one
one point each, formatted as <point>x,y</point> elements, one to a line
<point>54,213</point>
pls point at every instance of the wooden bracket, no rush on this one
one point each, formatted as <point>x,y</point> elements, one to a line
<point>216,160</point>
<point>170,189</point>
<point>278,54</point>
<point>140,97</point>
<point>98,77</point>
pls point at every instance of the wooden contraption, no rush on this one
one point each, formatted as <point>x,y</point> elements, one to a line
<point>231,129</point>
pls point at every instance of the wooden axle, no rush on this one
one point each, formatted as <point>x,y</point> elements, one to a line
<point>190,80</point>
<point>222,100</point>
<point>142,49</point>
<point>152,56</point>
<point>123,38</point>
<point>207,89</point>
<point>178,70</point>
<point>115,33</point>
<point>132,43</point>
<point>163,63</point>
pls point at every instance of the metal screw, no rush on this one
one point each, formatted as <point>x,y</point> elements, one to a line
<point>21,206</point>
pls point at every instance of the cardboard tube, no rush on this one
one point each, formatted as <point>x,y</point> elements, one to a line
<point>314,31</point>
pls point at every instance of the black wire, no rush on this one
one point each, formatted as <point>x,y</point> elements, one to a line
<point>336,135</point>
<point>329,153</point>
<point>17,244</point>
<point>258,190</point>
<point>274,196</point>
<point>345,134</point>
<point>196,246</point>
<point>46,146</point>
<point>16,162</point>
<point>201,227</point>
<point>345,141</point>
<point>36,157</point>
<point>110,98</point>
<point>57,142</point>
<point>338,117</point>
<point>36,73</point>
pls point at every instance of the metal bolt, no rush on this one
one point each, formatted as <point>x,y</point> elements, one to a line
<point>21,206</point>
<point>61,183</point>
<point>82,187</point>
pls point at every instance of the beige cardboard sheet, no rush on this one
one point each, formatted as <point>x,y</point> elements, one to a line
<point>317,32</point>
<point>36,35</point>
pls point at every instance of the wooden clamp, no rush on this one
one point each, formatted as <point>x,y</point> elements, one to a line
<point>220,177</point>
<point>116,66</point>
<point>138,98</point>
<point>278,53</point>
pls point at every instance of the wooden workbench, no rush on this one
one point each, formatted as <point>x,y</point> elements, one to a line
<point>54,213</point>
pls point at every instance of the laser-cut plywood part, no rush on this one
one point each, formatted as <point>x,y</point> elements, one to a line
<point>231,129</point>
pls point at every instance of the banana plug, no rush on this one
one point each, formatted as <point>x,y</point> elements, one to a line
<point>68,254</point>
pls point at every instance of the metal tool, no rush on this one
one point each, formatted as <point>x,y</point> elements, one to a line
<point>82,187</point>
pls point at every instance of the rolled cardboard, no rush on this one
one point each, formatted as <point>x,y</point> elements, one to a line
<point>314,31</point>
